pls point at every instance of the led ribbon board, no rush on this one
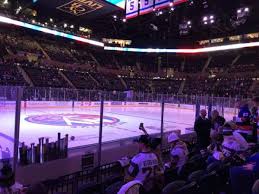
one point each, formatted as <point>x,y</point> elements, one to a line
<point>198,50</point>
<point>49,31</point>
<point>146,50</point>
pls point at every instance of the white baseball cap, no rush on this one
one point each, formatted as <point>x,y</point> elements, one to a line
<point>172,137</point>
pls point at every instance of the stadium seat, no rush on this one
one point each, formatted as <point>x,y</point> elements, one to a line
<point>114,188</point>
<point>190,188</point>
<point>172,187</point>
<point>209,183</point>
<point>215,166</point>
<point>132,187</point>
<point>196,175</point>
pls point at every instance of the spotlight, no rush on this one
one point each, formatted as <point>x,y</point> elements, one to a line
<point>160,12</point>
<point>51,20</point>
<point>115,17</point>
<point>65,25</point>
<point>184,27</point>
<point>72,26</point>
<point>241,17</point>
<point>208,19</point>
<point>205,18</point>
<point>124,20</point>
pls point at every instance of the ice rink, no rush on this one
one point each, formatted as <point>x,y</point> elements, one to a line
<point>83,123</point>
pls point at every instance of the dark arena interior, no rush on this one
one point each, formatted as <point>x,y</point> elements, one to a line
<point>129,96</point>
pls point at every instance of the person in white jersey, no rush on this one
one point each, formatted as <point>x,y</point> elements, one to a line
<point>144,165</point>
<point>179,152</point>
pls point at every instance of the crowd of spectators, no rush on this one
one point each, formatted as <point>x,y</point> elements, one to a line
<point>43,77</point>
<point>132,71</point>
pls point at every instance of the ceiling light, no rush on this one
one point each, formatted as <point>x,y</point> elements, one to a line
<point>205,18</point>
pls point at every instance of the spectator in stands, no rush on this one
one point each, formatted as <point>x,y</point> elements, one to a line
<point>255,189</point>
<point>244,114</point>
<point>233,142</point>
<point>202,127</point>
<point>243,177</point>
<point>154,144</point>
<point>144,167</point>
<point>179,152</point>
<point>254,114</point>
<point>217,120</point>
<point>215,148</point>
<point>144,164</point>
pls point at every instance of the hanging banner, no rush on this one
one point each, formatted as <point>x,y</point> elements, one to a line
<point>159,4</point>
<point>131,8</point>
<point>146,6</point>
<point>177,2</point>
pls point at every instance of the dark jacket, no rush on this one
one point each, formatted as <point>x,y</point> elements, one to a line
<point>202,128</point>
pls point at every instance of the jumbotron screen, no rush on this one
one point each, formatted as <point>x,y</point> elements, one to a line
<point>119,3</point>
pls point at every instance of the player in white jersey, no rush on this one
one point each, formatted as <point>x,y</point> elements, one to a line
<point>145,164</point>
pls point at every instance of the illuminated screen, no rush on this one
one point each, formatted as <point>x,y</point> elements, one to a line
<point>118,3</point>
<point>147,50</point>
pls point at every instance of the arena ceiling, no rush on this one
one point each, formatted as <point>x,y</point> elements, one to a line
<point>152,29</point>
<point>75,11</point>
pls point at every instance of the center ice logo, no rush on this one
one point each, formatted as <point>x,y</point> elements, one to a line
<point>73,120</point>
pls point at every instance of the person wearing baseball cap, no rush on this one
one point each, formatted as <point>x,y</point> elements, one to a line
<point>233,141</point>
<point>145,164</point>
<point>179,152</point>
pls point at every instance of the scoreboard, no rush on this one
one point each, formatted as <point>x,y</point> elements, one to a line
<point>135,8</point>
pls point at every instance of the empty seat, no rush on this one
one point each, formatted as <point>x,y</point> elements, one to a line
<point>173,187</point>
